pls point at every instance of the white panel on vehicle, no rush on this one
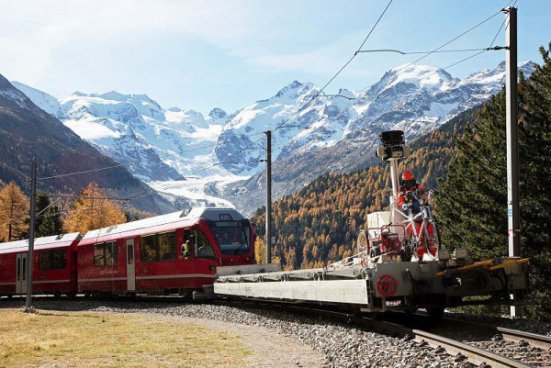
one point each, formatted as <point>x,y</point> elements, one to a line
<point>336,291</point>
<point>377,220</point>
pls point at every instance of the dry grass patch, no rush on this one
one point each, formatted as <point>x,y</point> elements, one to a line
<point>77,339</point>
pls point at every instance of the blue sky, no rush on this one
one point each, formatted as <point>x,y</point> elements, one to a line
<point>205,54</point>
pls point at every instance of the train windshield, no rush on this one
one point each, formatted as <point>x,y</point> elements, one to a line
<point>233,237</point>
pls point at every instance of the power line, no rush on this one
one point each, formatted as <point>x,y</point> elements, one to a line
<point>489,48</point>
<point>338,71</point>
<point>439,51</point>
<point>90,197</point>
<point>79,172</point>
<point>450,41</point>
<point>375,25</point>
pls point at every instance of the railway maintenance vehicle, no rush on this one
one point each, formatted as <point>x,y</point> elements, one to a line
<point>400,264</point>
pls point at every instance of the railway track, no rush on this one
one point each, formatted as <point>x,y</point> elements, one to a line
<point>540,341</point>
<point>461,350</point>
<point>475,355</point>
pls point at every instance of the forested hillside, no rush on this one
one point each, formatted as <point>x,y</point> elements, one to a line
<point>320,223</point>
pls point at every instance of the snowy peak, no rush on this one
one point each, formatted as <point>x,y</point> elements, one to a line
<point>408,77</point>
<point>46,102</point>
<point>9,92</point>
<point>218,116</point>
<point>291,91</point>
<point>495,78</point>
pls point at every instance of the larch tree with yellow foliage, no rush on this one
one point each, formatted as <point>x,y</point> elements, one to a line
<point>91,211</point>
<point>14,213</point>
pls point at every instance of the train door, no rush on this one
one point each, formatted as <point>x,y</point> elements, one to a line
<point>130,265</point>
<point>21,274</point>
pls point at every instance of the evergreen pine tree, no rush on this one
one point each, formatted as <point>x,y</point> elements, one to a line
<point>472,206</point>
<point>473,203</point>
<point>535,173</point>
<point>49,222</point>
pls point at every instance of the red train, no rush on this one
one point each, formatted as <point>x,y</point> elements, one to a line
<point>163,254</point>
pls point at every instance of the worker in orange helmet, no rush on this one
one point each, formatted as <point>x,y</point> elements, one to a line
<point>409,192</point>
<point>408,200</point>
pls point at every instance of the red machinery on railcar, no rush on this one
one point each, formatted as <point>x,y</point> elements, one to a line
<point>54,265</point>
<point>169,253</point>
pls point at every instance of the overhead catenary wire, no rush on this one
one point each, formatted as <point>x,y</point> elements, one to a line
<point>427,54</point>
<point>79,172</point>
<point>339,71</point>
<point>489,48</point>
<point>439,51</point>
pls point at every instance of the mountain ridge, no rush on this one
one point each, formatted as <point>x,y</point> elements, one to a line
<point>219,156</point>
<point>27,131</point>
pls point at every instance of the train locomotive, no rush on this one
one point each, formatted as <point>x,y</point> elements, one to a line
<point>173,253</point>
<point>400,264</point>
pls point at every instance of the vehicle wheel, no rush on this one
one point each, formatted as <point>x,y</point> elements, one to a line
<point>362,243</point>
<point>435,313</point>
<point>187,294</point>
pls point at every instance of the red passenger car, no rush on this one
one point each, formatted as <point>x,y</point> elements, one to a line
<point>176,252</point>
<point>54,265</point>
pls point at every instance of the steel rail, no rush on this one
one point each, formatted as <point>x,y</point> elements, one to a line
<point>540,341</point>
<point>509,334</point>
<point>473,354</point>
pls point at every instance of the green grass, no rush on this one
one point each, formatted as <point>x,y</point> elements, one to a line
<point>76,339</point>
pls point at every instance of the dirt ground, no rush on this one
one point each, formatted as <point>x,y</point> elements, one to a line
<point>271,350</point>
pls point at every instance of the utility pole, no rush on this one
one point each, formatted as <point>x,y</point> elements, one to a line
<point>268,196</point>
<point>30,255</point>
<point>511,92</point>
<point>512,134</point>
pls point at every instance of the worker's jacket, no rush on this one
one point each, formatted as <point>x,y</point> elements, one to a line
<point>408,199</point>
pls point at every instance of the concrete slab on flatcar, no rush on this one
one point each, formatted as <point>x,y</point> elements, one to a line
<point>247,269</point>
<point>333,291</point>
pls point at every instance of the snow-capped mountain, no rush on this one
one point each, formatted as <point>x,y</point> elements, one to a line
<point>416,99</point>
<point>27,132</point>
<point>184,154</point>
<point>342,130</point>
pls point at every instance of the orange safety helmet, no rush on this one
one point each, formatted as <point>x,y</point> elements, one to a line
<point>408,175</point>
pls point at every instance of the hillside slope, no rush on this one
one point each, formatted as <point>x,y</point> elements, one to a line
<point>26,131</point>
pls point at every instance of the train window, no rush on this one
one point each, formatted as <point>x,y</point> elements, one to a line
<point>149,250</point>
<point>203,249</point>
<point>159,247</point>
<point>167,246</point>
<point>52,259</point>
<point>105,254</point>
<point>233,237</point>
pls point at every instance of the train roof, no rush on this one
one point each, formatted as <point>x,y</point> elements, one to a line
<point>155,224</point>
<point>47,242</point>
